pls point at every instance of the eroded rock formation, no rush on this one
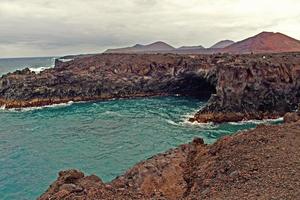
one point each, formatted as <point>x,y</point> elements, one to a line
<point>242,86</point>
<point>265,87</point>
<point>109,76</point>
<point>257,164</point>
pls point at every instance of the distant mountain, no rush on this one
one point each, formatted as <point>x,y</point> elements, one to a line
<point>190,50</point>
<point>222,44</point>
<point>265,42</point>
<point>190,47</point>
<point>155,47</point>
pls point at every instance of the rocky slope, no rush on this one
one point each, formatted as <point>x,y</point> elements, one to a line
<point>256,164</point>
<point>265,42</point>
<point>241,87</point>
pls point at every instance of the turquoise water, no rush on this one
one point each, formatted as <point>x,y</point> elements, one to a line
<point>12,64</point>
<point>104,138</point>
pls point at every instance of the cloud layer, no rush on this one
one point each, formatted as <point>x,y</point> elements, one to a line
<point>54,27</point>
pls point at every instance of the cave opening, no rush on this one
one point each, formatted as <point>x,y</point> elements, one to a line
<point>195,86</point>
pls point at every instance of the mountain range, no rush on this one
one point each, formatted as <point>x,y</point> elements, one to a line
<point>264,42</point>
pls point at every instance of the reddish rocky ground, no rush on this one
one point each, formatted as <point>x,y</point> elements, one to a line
<point>257,164</point>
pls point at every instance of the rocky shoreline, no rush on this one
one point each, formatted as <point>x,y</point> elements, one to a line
<point>239,87</point>
<point>257,164</point>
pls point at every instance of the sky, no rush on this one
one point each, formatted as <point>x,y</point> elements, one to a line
<point>56,27</point>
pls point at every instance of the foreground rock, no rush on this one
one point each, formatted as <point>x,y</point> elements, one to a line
<point>256,164</point>
<point>241,86</point>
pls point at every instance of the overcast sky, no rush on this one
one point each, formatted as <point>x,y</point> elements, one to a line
<point>56,27</point>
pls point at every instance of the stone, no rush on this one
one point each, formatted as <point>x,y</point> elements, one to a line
<point>234,167</point>
<point>240,87</point>
<point>291,117</point>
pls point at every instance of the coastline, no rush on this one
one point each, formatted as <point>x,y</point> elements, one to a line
<point>235,167</point>
<point>240,87</point>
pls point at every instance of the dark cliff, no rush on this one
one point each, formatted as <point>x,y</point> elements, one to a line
<point>240,86</point>
<point>256,88</point>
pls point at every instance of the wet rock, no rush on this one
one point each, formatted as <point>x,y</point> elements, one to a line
<point>198,141</point>
<point>291,117</point>
<point>70,175</point>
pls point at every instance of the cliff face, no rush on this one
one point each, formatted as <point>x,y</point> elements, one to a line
<point>109,76</point>
<point>243,87</point>
<point>248,165</point>
<point>267,86</point>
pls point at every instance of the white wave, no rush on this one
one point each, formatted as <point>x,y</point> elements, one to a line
<point>111,113</point>
<point>256,121</point>
<point>208,125</point>
<point>186,122</point>
<point>172,122</point>
<point>36,108</point>
<point>65,60</point>
<point>39,69</point>
<point>213,125</point>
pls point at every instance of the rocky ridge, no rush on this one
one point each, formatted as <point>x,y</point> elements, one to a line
<point>240,87</point>
<point>256,164</point>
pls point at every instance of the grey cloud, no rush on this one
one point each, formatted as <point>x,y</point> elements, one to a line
<point>44,27</point>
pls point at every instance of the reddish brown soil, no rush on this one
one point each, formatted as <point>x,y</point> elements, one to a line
<point>258,164</point>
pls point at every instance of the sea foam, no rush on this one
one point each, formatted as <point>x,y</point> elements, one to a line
<point>39,69</point>
<point>3,108</point>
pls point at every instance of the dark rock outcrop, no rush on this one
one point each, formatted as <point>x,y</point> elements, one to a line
<point>108,76</point>
<point>241,86</point>
<point>265,87</point>
<point>257,164</point>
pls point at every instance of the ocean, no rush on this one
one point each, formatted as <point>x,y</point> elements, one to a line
<point>13,64</point>
<point>103,138</point>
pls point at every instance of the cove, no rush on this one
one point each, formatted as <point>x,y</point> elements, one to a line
<point>103,138</point>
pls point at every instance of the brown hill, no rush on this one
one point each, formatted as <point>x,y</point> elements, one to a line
<point>265,42</point>
<point>138,48</point>
<point>222,44</point>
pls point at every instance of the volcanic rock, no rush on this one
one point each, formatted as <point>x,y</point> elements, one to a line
<point>291,117</point>
<point>240,87</point>
<point>256,164</point>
